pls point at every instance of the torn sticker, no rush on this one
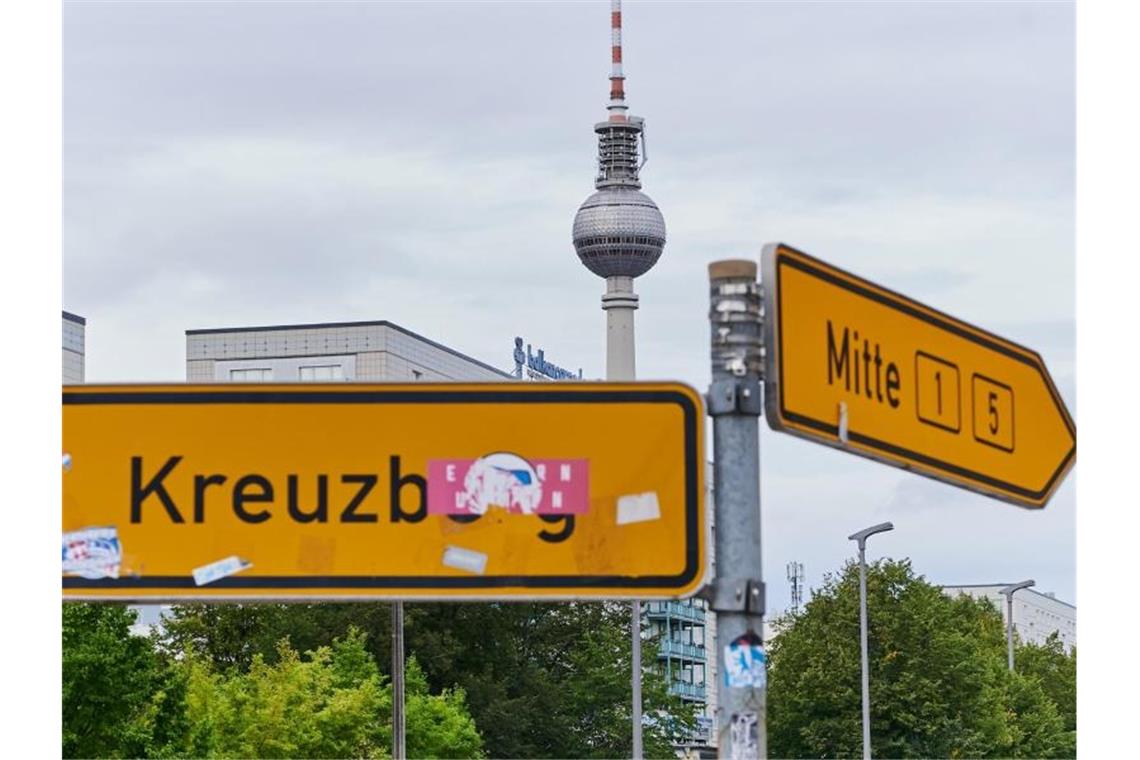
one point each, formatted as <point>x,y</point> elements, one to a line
<point>638,507</point>
<point>92,552</point>
<point>465,559</point>
<point>220,569</point>
<point>744,738</point>
<point>66,461</point>
<point>745,663</point>
<point>508,481</point>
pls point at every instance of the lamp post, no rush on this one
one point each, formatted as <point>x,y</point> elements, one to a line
<point>862,537</point>
<point>1008,592</point>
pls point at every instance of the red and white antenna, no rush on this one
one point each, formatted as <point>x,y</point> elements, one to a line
<point>617,106</point>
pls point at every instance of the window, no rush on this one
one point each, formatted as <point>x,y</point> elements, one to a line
<point>321,373</point>
<point>257,375</point>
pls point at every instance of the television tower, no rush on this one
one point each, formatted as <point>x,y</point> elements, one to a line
<point>619,234</point>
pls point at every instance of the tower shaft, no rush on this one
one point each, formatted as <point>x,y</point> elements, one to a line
<point>619,303</point>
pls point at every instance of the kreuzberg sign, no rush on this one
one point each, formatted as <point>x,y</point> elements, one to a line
<point>853,365</point>
<point>383,491</point>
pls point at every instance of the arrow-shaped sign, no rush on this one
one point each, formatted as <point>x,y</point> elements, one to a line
<point>854,365</point>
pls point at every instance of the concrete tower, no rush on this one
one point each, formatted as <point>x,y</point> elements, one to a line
<point>619,232</point>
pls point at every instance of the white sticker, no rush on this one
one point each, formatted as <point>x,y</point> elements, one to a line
<point>638,507</point>
<point>92,552</point>
<point>220,569</point>
<point>745,664</point>
<point>465,559</point>
<point>744,740</point>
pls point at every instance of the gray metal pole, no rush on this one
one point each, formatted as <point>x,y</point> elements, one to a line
<point>398,740</point>
<point>866,678</point>
<point>865,670</point>
<point>619,303</point>
<point>1009,629</point>
<point>635,680</point>
<point>737,592</point>
<point>1008,592</point>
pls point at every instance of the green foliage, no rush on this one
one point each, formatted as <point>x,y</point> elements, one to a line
<point>939,681</point>
<point>540,680</point>
<point>120,698</point>
<point>545,680</point>
<point>439,726</point>
<point>334,703</point>
<point>323,707</point>
<point>1056,672</point>
<point>229,635</point>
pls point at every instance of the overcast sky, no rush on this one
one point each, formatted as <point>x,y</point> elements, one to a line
<point>263,163</point>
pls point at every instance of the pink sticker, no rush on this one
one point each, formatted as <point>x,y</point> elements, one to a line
<point>507,481</point>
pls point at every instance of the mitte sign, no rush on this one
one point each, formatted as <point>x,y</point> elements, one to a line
<point>854,365</point>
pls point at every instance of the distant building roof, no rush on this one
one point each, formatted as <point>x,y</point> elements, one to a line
<point>1047,595</point>
<point>74,318</point>
<point>328,325</point>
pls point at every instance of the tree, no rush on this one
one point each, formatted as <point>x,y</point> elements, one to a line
<point>334,703</point>
<point>120,698</point>
<point>540,680</point>
<point>545,680</point>
<point>1056,672</point>
<point>230,635</point>
<point>939,682</point>
<point>437,726</point>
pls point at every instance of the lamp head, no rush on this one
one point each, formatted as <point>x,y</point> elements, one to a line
<point>861,536</point>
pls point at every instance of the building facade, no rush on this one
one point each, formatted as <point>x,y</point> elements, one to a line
<point>340,351</point>
<point>74,348</point>
<point>1036,615</point>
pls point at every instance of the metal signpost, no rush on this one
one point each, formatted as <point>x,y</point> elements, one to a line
<point>853,365</point>
<point>453,491</point>
<point>737,591</point>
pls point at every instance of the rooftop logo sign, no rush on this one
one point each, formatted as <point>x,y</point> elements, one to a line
<point>537,367</point>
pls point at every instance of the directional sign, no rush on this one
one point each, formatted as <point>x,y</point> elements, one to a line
<point>527,490</point>
<point>853,365</point>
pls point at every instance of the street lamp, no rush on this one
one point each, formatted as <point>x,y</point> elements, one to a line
<point>1008,592</point>
<point>862,537</point>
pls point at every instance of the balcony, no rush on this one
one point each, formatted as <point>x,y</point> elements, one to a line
<point>671,648</point>
<point>686,690</point>
<point>675,610</point>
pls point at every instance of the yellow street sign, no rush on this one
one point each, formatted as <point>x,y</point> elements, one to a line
<point>512,490</point>
<point>853,365</point>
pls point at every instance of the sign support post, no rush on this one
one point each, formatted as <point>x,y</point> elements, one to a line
<point>398,743</point>
<point>737,591</point>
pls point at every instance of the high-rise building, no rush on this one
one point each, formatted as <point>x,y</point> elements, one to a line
<point>1036,615</point>
<point>377,351</point>
<point>74,347</point>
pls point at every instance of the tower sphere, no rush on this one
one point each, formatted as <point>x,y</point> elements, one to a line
<point>619,232</point>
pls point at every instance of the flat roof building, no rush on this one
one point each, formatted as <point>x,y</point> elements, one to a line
<point>377,351</point>
<point>74,347</point>
<point>1035,614</point>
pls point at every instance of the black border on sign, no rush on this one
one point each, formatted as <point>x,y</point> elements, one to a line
<point>427,583</point>
<point>893,454</point>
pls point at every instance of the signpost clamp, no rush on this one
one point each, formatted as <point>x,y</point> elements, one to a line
<point>745,595</point>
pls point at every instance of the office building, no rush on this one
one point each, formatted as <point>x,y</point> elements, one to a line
<point>1036,615</point>
<point>74,347</point>
<point>377,351</point>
